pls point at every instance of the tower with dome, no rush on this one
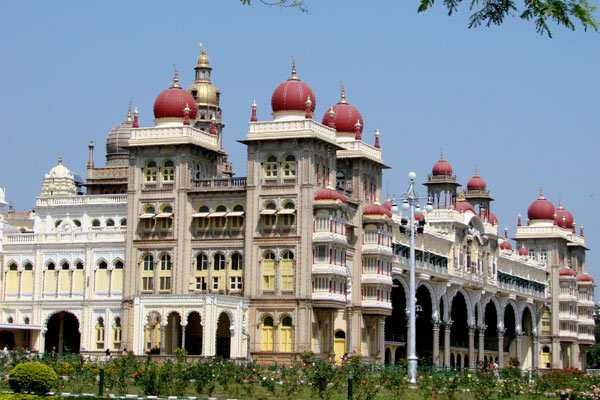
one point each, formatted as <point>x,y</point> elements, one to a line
<point>168,250</point>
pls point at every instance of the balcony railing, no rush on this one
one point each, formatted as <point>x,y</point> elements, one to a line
<point>219,184</point>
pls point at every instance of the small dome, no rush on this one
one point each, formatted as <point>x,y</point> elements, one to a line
<point>505,245</point>
<point>476,183</point>
<point>171,102</point>
<point>330,194</point>
<point>523,252</point>
<point>541,209</point>
<point>376,209</point>
<point>567,272</point>
<point>585,278</point>
<point>117,152</point>
<point>345,116</point>
<point>441,168</point>
<point>389,204</point>
<point>463,205</point>
<point>59,171</point>
<point>563,217</point>
<point>291,95</point>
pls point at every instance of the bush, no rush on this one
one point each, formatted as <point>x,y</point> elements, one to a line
<point>32,377</point>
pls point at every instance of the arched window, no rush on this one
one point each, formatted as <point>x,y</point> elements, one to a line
<point>150,172</point>
<point>100,333</point>
<point>219,217</point>
<point>26,320</point>
<point>50,266</point>
<point>117,333</point>
<point>57,223</point>
<point>270,167</point>
<point>201,262</point>
<point>288,214</point>
<point>119,264</point>
<point>219,262</point>
<point>340,181</point>
<point>79,265</point>
<point>202,216</point>
<point>12,267</point>
<point>148,217</point>
<point>236,262</point>
<point>268,271</point>
<point>148,262</point>
<point>64,265</point>
<point>286,268</point>
<point>266,334</point>
<point>123,222</point>
<point>110,222</point>
<point>165,262</point>
<point>289,167</point>
<point>168,171</point>
<point>95,223</point>
<point>102,265</point>
<point>10,320</point>
<point>165,217</point>
<point>28,266</point>
<point>77,223</point>
<point>286,335</point>
<point>269,214</point>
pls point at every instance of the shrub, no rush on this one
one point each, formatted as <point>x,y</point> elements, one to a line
<point>33,377</point>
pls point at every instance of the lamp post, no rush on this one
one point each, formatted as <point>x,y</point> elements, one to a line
<point>410,202</point>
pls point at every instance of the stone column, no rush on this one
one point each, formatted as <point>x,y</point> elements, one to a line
<point>447,344</point>
<point>481,352</point>
<point>183,326</point>
<point>381,334</point>
<point>535,352</point>
<point>501,348</point>
<point>436,343</point>
<point>520,348</point>
<point>162,337</point>
<point>575,361</point>
<point>471,347</point>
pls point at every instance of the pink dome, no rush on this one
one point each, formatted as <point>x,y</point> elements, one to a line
<point>330,194</point>
<point>291,95</point>
<point>585,278</point>
<point>563,217</point>
<point>505,245</point>
<point>171,102</point>
<point>567,272</point>
<point>541,209</point>
<point>442,168</point>
<point>523,252</point>
<point>375,209</point>
<point>476,183</point>
<point>345,116</point>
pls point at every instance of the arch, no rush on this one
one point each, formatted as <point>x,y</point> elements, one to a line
<point>166,262</point>
<point>102,264</point>
<point>148,262</point>
<point>289,166</point>
<point>424,324</point>
<point>238,208</point>
<point>7,340</point>
<point>173,332</point>
<point>110,222</point>
<point>286,334</point>
<point>62,334</point>
<point>510,330</point>
<point>95,223</point>
<point>459,315</point>
<point>237,261</point>
<point>396,324</point>
<point>388,356</point>
<point>399,354</point>
<point>219,261</point>
<point>267,333</point>
<point>523,307</point>
<point>223,336</point>
<point>152,332</point>
<point>527,328</point>
<point>202,262</point>
<point>118,263</point>
<point>168,171</point>
<point>490,316</point>
<point>495,303</point>
<point>434,310</point>
<point>28,266</point>
<point>123,222</point>
<point>194,331</point>
<point>467,299</point>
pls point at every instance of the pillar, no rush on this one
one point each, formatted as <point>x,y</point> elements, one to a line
<point>162,337</point>
<point>481,352</point>
<point>501,348</point>
<point>436,343</point>
<point>520,348</point>
<point>381,334</point>
<point>471,347</point>
<point>535,352</point>
<point>183,326</point>
<point>61,332</point>
<point>447,344</point>
<point>575,361</point>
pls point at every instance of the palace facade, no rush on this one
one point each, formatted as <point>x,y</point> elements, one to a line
<point>164,248</point>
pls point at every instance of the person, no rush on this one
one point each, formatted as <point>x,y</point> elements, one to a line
<point>107,352</point>
<point>496,370</point>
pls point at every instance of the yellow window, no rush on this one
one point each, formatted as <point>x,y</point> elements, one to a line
<point>117,281</point>
<point>12,283</point>
<point>27,283</point>
<point>286,268</point>
<point>101,281</point>
<point>266,334</point>
<point>286,335</point>
<point>268,272</point>
<point>64,282</point>
<point>78,281</point>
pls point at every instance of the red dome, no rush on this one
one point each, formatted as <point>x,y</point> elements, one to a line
<point>345,117</point>
<point>389,204</point>
<point>463,205</point>
<point>567,272</point>
<point>541,209</point>
<point>585,278</point>
<point>476,183</point>
<point>171,102</point>
<point>441,168</point>
<point>523,252</point>
<point>291,95</point>
<point>505,245</point>
<point>375,209</point>
<point>330,194</point>
<point>563,218</point>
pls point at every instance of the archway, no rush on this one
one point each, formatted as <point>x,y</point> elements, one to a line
<point>388,356</point>
<point>526,349</point>
<point>193,334</point>
<point>173,333</point>
<point>491,329</point>
<point>459,334</point>
<point>424,326</point>
<point>7,339</point>
<point>152,333</point>
<point>399,355</point>
<point>62,333</point>
<point>395,324</point>
<point>510,334</point>
<point>223,336</point>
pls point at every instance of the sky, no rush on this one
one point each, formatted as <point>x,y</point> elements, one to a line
<point>521,108</point>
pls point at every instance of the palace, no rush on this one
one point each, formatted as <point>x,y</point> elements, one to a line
<point>164,248</point>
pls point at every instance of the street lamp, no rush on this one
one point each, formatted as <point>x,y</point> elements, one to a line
<point>411,202</point>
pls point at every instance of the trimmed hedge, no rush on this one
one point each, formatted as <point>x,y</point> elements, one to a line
<point>32,377</point>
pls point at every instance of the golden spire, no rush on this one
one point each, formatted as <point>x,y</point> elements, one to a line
<point>343,93</point>
<point>175,78</point>
<point>294,75</point>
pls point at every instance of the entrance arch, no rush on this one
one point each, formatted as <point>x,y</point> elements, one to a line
<point>491,329</point>
<point>7,339</point>
<point>173,333</point>
<point>223,336</point>
<point>193,334</point>
<point>510,334</point>
<point>527,346</point>
<point>459,334</point>
<point>424,326</point>
<point>395,324</point>
<point>62,335</point>
<point>339,345</point>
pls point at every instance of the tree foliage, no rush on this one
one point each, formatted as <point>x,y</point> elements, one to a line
<point>542,13</point>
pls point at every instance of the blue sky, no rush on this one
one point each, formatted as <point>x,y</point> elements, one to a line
<point>521,108</point>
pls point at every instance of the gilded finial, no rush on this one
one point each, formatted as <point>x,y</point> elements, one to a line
<point>129,117</point>
<point>175,77</point>
<point>343,93</point>
<point>294,72</point>
<point>441,154</point>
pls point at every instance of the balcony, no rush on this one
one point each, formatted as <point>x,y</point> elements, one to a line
<point>585,303</point>
<point>326,296</point>
<point>375,278</point>
<point>329,269</point>
<point>113,235</point>
<point>565,316</point>
<point>88,200</point>
<point>376,306</point>
<point>567,334</point>
<point>520,290</point>
<point>585,320</point>
<point>567,297</point>
<point>219,184</point>
<point>329,237</point>
<point>422,267</point>
<point>586,337</point>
